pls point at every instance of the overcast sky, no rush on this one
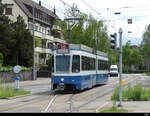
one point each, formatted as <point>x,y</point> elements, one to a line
<point>138,10</point>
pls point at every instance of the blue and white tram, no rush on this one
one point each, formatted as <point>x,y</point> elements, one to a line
<point>76,67</point>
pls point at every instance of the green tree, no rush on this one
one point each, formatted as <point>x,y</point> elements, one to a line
<point>145,45</point>
<point>6,33</point>
<point>131,56</point>
<point>22,53</point>
<point>127,55</point>
<point>87,30</point>
<point>2,6</point>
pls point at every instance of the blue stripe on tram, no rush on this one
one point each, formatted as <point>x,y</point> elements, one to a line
<point>82,82</point>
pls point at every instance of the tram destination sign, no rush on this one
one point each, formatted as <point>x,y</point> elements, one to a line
<point>63,49</point>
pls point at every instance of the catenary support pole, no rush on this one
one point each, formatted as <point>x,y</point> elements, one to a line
<point>120,68</point>
<point>34,75</point>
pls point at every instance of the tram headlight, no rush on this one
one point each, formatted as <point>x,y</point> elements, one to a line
<point>62,79</point>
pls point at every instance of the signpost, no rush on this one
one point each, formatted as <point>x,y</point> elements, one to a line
<point>16,70</point>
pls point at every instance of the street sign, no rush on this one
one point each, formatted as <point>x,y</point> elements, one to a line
<point>17,69</point>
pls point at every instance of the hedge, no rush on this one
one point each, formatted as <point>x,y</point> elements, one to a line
<point>9,68</point>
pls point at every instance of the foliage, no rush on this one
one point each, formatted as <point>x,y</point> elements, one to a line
<point>38,42</point>
<point>1,59</point>
<point>136,93</point>
<point>132,56</point>
<point>86,31</point>
<point>23,49</point>
<point>2,6</point>
<point>10,68</point>
<point>148,74</point>
<point>15,42</point>
<point>145,45</point>
<point>7,41</point>
<point>113,57</point>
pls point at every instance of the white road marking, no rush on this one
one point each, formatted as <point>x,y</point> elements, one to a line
<point>50,104</point>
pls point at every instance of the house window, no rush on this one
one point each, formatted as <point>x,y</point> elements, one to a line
<point>8,11</point>
<point>36,28</point>
<point>39,29</point>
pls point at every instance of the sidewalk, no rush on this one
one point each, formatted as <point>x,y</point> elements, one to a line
<point>39,81</point>
<point>131,106</point>
<point>137,106</point>
<point>35,86</point>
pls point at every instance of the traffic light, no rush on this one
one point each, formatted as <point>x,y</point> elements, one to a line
<point>129,21</point>
<point>113,41</point>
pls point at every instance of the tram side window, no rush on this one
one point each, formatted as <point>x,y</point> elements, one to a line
<point>76,64</point>
<point>84,63</point>
<point>102,65</point>
<point>92,64</point>
<point>99,65</point>
<point>88,63</point>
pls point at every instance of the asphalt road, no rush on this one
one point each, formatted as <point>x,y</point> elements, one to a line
<point>44,100</point>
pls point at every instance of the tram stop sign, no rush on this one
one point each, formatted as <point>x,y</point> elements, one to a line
<point>17,69</point>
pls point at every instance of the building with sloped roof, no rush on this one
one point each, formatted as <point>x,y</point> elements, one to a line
<point>45,31</point>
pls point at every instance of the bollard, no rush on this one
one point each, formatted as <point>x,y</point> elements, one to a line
<point>123,83</point>
<point>17,82</point>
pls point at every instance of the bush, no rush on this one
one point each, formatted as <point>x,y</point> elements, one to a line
<point>137,92</point>
<point>145,95</point>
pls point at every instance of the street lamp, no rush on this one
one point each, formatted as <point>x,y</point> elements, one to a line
<point>120,68</point>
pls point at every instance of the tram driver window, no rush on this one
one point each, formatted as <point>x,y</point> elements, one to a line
<point>76,64</point>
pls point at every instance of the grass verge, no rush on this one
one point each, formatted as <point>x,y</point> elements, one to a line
<point>113,110</point>
<point>135,93</point>
<point>148,74</point>
<point>10,92</point>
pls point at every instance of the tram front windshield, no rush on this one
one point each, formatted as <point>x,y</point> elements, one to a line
<point>62,64</point>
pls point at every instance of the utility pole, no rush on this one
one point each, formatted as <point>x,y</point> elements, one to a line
<point>120,68</point>
<point>96,52</point>
<point>34,75</point>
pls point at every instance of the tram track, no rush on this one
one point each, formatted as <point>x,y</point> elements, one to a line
<point>62,102</point>
<point>77,97</point>
<point>106,92</point>
<point>23,102</point>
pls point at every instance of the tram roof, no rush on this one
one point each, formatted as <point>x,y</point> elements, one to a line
<point>86,48</point>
